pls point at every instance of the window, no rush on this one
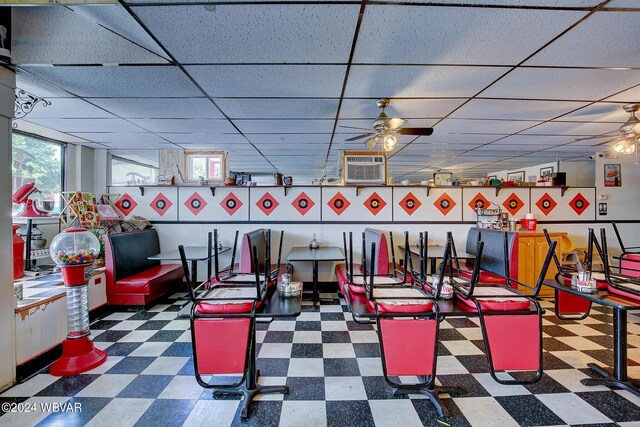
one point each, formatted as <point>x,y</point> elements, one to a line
<point>41,161</point>
<point>204,165</point>
<point>129,172</point>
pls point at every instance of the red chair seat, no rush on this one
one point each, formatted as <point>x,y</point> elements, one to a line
<point>409,307</point>
<point>500,302</point>
<point>149,280</point>
<point>223,308</point>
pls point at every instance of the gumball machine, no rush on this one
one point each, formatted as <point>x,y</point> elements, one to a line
<point>74,251</point>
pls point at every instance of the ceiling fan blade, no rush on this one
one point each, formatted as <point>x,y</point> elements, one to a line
<point>604,135</point>
<point>353,127</point>
<point>415,131</point>
<point>371,142</point>
<point>355,138</point>
<point>395,123</point>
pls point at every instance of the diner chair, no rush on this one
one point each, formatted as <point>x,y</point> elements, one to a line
<point>568,306</point>
<point>223,337</point>
<point>243,273</point>
<point>511,331</point>
<point>617,283</point>
<point>630,257</point>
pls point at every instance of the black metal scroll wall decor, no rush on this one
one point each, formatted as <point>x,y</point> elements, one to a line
<point>25,102</point>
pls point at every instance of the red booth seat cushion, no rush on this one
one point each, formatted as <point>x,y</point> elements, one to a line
<point>148,280</point>
<point>486,277</point>
<point>405,307</point>
<point>223,308</point>
<point>496,299</point>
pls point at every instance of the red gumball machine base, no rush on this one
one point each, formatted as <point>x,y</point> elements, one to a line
<point>78,355</point>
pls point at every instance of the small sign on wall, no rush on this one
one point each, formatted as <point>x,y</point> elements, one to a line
<point>602,208</point>
<point>612,175</point>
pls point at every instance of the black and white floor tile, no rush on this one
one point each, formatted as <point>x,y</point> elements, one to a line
<point>333,368</point>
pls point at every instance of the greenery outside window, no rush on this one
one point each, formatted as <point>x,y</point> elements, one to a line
<point>41,161</point>
<point>129,172</point>
<point>205,165</point>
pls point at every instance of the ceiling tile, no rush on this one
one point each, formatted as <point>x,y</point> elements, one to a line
<point>127,145</point>
<point>483,126</point>
<point>562,83</point>
<point>514,109</point>
<point>545,3</point>
<point>185,125</point>
<point>205,138</point>
<point>367,123</point>
<point>570,128</point>
<point>269,80</point>
<point>402,108</point>
<point>598,112</point>
<point>123,81</point>
<point>157,108</point>
<point>458,138</point>
<point>632,4</point>
<point>456,35</point>
<point>252,108</point>
<point>135,140</point>
<point>37,86</point>
<point>88,125</point>
<point>602,40</point>
<point>276,138</point>
<point>514,148</point>
<point>536,140</point>
<point>284,126</point>
<point>254,33</point>
<point>630,95</point>
<point>68,108</point>
<point>419,81</point>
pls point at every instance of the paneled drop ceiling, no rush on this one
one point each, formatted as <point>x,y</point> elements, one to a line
<point>505,83</point>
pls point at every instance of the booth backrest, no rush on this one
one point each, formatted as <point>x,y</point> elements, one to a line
<point>255,238</point>
<point>493,252</point>
<point>130,252</point>
<point>381,263</point>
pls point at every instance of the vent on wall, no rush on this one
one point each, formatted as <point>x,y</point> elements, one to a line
<point>365,169</point>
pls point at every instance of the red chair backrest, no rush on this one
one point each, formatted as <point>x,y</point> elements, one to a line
<point>514,341</point>
<point>409,345</point>
<point>221,345</point>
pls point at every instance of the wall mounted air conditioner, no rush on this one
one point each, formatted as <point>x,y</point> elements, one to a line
<point>364,167</point>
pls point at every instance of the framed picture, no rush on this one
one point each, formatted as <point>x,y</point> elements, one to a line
<point>515,176</point>
<point>612,175</point>
<point>490,177</point>
<point>545,172</point>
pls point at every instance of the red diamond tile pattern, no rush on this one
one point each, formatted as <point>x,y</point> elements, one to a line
<point>231,204</point>
<point>303,203</point>
<point>160,204</point>
<point>195,203</point>
<point>579,204</point>
<point>444,204</point>
<point>410,203</point>
<point>267,204</point>
<point>546,204</point>
<point>338,203</point>
<point>375,203</point>
<point>479,201</point>
<point>513,204</point>
<point>126,204</point>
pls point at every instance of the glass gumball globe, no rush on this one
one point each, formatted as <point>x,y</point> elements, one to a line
<point>74,246</point>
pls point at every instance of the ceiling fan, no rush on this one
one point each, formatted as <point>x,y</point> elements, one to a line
<point>385,129</point>
<point>626,142</point>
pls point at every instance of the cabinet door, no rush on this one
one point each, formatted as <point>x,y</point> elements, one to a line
<point>526,261</point>
<point>541,248</point>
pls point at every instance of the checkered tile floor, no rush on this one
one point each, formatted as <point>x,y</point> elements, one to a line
<point>332,366</point>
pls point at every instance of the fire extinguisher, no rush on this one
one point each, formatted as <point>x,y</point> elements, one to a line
<point>18,255</point>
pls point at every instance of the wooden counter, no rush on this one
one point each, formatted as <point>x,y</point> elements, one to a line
<point>532,249</point>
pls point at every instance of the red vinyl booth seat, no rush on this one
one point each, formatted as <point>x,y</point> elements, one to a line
<point>133,279</point>
<point>492,263</point>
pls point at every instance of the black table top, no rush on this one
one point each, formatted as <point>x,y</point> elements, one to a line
<point>323,253</point>
<point>273,306</point>
<point>603,297</point>
<point>193,253</point>
<point>436,251</point>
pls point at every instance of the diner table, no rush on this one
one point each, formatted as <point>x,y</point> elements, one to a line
<point>621,306</point>
<point>192,253</point>
<point>321,254</point>
<point>435,252</point>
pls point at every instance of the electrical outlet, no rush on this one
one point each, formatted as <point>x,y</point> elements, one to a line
<point>604,197</point>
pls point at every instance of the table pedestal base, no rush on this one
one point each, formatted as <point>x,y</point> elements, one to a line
<point>633,386</point>
<point>250,391</point>
<point>431,392</point>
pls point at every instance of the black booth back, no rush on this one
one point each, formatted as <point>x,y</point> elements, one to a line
<point>493,251</point>
<point>131,252</point>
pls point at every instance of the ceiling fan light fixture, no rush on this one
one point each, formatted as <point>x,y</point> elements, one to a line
<point>389,141</point>
<point>624,147</point>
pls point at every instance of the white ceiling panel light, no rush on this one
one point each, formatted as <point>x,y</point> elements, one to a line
<point>160,108</point>
<point>288,81</point>
<point>457,35</point>
<point>123,81</point>
<point>71,39</point>
<point>514,109</point>
<point>562,83</point>
<point>290,108</point>
<point>294,33</point>
<point>417,81</point>
<point>611,32</point>
<point>185,125</point>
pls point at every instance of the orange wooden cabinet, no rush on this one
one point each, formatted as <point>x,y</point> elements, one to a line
<point>532,249</point>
